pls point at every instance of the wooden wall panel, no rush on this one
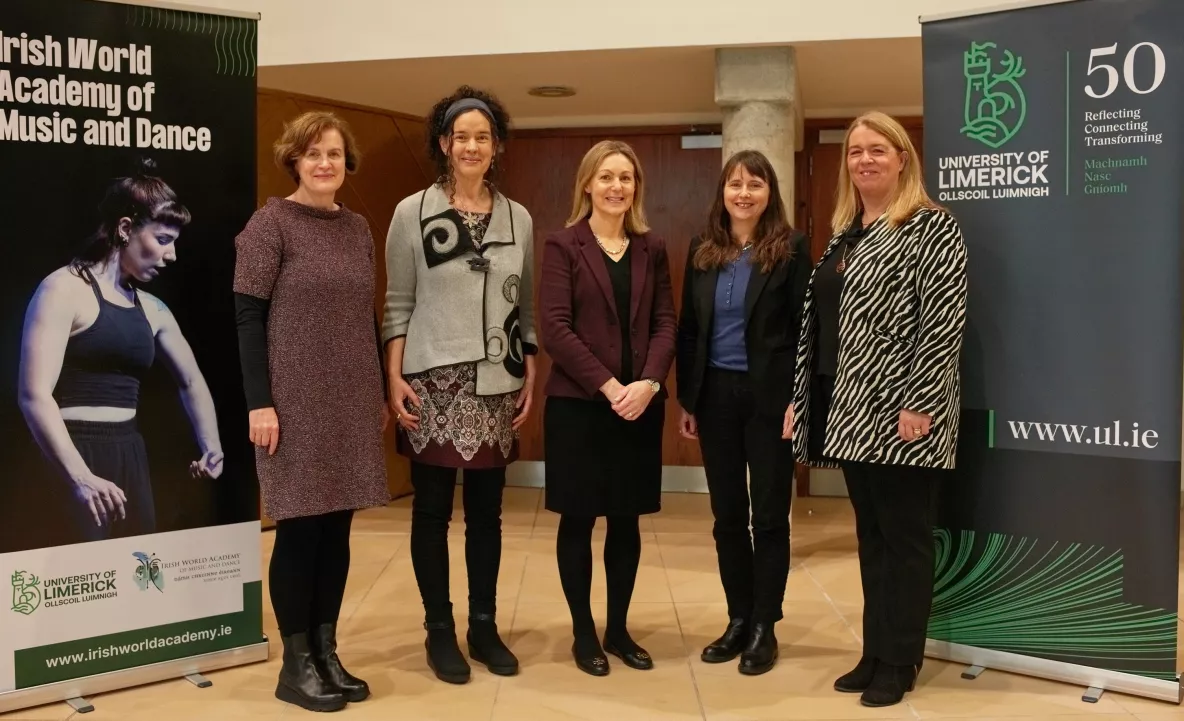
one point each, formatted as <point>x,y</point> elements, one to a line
<point>393,167</point>
<point>540,168</point>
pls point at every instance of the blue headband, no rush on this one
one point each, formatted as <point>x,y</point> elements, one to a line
<point>461,106</point>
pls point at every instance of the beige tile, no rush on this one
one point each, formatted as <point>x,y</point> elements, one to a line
<point>551,687</point>
<point>48,712</point>
<point>684,513</point>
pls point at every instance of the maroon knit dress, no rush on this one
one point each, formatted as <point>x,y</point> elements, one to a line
<point>317,269</point>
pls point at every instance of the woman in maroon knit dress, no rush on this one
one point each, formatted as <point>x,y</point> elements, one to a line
<point>304,295</point>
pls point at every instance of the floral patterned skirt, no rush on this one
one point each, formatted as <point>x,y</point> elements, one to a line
<point>458,428</point>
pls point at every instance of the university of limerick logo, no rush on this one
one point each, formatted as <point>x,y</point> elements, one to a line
<point>150,571</point>
<point>26,592</point>
<point>995,102</point>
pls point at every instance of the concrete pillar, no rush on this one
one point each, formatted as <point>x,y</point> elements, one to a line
<point>758,90</point>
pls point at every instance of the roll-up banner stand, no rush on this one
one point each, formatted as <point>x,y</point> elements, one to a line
<point>1052,132</point>
<point>129,513</point>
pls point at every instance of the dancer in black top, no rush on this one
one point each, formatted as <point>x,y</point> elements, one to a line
<point>90,337</point>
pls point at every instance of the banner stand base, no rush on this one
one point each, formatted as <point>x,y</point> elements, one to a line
<point>973,672</point>
<point>1096,680</point>
<point>198,680</point>
<point>75,691</point>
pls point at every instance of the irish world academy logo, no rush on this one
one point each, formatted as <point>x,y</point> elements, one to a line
<point>150,571</point>
<point>995,103</point>
<point>26,592</point>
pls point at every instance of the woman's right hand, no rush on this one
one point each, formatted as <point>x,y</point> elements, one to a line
<point>104,499</point>
<point>688,427</point>
<point>401,395</point>
<point>265,429</point>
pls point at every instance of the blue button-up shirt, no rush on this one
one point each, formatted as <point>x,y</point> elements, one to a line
<point>727,350</point>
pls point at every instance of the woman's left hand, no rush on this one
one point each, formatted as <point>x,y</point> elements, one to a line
<point>208,466</point>
<point>526,395</point>
<point>913,426</point>
<point>636,399</point>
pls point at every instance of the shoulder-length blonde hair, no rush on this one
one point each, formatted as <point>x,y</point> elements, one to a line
<point>581,202</point>
<point>910,189</point>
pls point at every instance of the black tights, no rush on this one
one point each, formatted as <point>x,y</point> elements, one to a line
<point>622,555</point>
<point>309,567</point>
<point>431,512</point>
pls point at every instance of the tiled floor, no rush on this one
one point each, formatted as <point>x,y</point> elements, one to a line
<point>678,608</point>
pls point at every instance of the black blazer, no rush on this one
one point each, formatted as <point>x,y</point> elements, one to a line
<point>773,308</point>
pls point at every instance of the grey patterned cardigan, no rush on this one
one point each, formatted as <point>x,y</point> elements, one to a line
<point>449,309</point>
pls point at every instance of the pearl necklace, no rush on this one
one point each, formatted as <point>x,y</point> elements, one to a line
<point>624,245</point>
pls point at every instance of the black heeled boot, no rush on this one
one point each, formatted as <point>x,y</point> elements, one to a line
<point>728,646</point>
<point>486,646</point>
<point>301,683</point>
<point>324,647</point>
<point>889,685</point>
<point>444,656</point>
<point>761,653</point>
<point>857,679</point>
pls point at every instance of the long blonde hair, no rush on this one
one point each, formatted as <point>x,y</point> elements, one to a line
<point>581,202</point>
<point>910,192</point>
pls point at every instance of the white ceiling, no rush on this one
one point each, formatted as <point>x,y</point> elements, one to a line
<point>617,87</point>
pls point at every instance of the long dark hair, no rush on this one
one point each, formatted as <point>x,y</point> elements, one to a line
<point>439,126</point>
<point>143,198</point>
<point>770,239</point>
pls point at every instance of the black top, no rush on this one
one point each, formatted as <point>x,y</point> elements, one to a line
<point>251,320</point>
<point>828,289</point>
<point>620,274</point>
<point>104,364</point>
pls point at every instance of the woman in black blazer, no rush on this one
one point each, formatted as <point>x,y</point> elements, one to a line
<point>745,282</point>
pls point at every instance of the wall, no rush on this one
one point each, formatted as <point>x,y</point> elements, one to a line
<point>394,165</point>
<point>307,31</point>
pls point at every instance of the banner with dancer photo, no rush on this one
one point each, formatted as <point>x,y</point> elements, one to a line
<point>128,496</point>
<point>1052,132</point>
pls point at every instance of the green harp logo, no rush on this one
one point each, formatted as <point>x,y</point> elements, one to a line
<point>995,103</point>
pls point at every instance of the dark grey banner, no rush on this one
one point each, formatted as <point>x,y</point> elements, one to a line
<point>1053,133</point>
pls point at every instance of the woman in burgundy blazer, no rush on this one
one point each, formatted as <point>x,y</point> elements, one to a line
<point>606,316</point>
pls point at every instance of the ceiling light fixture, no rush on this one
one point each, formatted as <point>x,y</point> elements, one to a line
<point>552,91</point>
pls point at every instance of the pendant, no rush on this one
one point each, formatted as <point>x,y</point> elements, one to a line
<point>842,266</point>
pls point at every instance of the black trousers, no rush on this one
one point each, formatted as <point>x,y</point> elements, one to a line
<point>309,567</point>
<point>738,441</point>
<point>894,511</point>
<point>431,513</point>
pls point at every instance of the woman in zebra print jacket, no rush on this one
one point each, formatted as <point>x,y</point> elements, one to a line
<point>878,388</point>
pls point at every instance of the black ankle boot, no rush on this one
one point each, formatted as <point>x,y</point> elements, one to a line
<point>485,645</point>
<point>857,679</point>
<point>324,646</point>
<point>444,656</point>
<point>889,685</point>
<point>760,655</point>
<point>728,646</point>
<point>301,683</point>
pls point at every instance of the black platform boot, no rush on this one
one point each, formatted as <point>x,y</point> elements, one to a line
<point>761,653</point>
<point>728,646</point>
<point>301,683</point>
<point>486,647</point>
<point>324,644</point>
<point>444,656</point>
<point>889,685</point>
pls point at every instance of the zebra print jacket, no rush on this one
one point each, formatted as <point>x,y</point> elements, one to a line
<point>901,318</point>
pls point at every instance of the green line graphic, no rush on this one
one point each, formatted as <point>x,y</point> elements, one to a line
<point>1053,600</point>
<point>990,429</point>
<point>1068,77</point>
<point>235,39</point>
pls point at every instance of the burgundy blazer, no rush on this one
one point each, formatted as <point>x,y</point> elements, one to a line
<point>578,315</point>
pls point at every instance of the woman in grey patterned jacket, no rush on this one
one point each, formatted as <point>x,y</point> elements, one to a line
<point>878,386</point>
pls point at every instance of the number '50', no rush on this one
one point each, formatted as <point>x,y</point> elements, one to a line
<point>1128,69</point>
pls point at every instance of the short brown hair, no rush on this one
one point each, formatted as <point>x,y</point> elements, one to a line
<point>581,203</point>
<point>307,129</point>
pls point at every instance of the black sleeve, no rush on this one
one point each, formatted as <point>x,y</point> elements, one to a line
<point>251,319</point>
<point>381,360</point>
<point>688,329</point>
